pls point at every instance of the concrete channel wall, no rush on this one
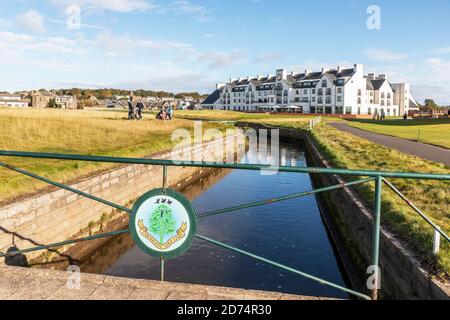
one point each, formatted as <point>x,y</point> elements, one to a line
<point>59,214</point>
<point>350,222</point>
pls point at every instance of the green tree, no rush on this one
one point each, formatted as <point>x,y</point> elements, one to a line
<point>430,104</point>
<point>52,103</point>
<point>162,221</point>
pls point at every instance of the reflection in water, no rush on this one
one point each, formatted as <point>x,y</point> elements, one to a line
<point>289,232</point>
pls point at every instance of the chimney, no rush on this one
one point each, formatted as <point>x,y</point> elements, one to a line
<point>307,72</point>
<point>325,70</point>
<point>292,73</point>
<point>239,79</point>
<point>382,77</point>
<point>371,76</point>
<point>219,86</point>
<point>339,69</point>
<point>359,68</point>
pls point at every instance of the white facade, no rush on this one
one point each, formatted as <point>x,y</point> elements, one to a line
<point>337,91</point>
<point>13,100</point>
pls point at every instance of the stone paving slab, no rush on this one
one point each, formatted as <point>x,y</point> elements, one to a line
<point>43,284</point>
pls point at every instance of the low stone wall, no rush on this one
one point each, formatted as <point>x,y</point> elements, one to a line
<point>350,222</point>
<point>58,215</point>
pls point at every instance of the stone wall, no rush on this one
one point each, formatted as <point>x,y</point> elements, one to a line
<point>59,214</point>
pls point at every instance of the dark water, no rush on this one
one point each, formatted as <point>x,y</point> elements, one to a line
<point>290,232</point>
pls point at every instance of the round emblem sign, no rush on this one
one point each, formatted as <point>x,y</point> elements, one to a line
<point>163,223</point>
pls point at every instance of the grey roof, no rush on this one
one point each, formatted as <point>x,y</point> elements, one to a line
<point>377,83</point>
<point>369,85</point>
<point>413,104</point>
<point>212,98</point>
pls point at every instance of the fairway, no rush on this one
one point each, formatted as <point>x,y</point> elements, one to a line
<point>435,131</point>
<point>93,132</point>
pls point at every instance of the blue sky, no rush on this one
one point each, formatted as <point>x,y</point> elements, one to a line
<point>184,45</point>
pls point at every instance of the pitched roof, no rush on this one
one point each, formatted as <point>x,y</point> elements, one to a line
<point>377,84</point>
<point>369,85</point>
<point>212,98</point>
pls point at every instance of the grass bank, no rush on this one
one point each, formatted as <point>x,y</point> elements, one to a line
<point>100,132</point>
<point>433,197</point>
<point>431,131</point>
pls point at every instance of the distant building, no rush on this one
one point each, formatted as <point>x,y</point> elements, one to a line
<point>338,91</point>
<point>13,100</point>
<point>40,99</point>
<point>66,102</point>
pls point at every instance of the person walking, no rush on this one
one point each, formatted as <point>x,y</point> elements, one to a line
<point>140,108</point>
<point>170,112</point>
<point>130,110</point>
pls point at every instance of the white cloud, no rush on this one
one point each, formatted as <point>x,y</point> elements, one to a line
<point>441,50</point>
<point>269,57</point>
<point>222,59</point>
<point>32,21</point>
<point>185,6</point>
<point>384,55</point>
<point>439,69</point>
<point>110,5</point>
<point>438,93</point>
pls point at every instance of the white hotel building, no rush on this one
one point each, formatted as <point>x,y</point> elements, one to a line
<point>338,91</point>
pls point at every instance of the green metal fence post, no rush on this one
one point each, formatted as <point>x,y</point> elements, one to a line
<point>376,238</point>
<point>164,187</point>
<point>162,269</point>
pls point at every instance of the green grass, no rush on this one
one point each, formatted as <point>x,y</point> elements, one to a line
<point>100,132</point>
<point>433,131</point>
<point>433,197</point>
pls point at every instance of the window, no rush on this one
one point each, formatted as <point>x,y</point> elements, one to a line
<point>348,110</point>
<point>285,93</point>
<point>328,110</point>
<point>328,100</point>
<point>320,92</point>
<point>313,110</point>
<point>320,110</point>
<point>369,111</point>
<point>359,92</point>
<point>382,95</point>
<point>313,91</point>
<point>339,99</point>
<point>313,99</point>
<point>359,110</point>
<point>305,99</point>
<point>339,110</point>
<point>305,91</point>
<point>382,102</point>
<point>359,100</point>
<point>324,83</point>
<point>328,91</point>
<point>389,95</point>
<point>339,90</point>
<point>297,92</point>
<point>320,100</point>
<point>388,103</point>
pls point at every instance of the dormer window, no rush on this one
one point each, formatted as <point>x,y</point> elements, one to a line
<point>324,83</point>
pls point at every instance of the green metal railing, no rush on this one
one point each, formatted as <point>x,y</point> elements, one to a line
<point>370,176</point>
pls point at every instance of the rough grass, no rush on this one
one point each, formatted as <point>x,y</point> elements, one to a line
<point>78,132</point>
<point>432,131</point>
<point>432,197</point>
<point>219,115</point>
